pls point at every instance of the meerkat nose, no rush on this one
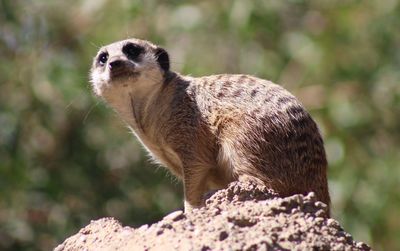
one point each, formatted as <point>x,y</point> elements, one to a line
<point>115,64</point>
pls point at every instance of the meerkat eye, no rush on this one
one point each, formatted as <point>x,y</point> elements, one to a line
<point>103,57</point>
<point>132,51</point>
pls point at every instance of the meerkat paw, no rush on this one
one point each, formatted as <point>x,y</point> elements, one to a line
<point>188,207</point>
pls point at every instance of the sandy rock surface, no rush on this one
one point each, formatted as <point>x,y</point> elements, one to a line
<point>241,217</point>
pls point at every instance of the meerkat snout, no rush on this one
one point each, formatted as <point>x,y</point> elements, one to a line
<point>212,130</point>
<point>121,68</point>
<point>116,64</point>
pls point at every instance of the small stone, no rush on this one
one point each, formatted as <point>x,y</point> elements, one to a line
<point>349,238</point>
<point>321,205</point>
<point>82,238</point>
<point>143,227</point>
<point>216,211</point>
<point>319,220</point>
<point>362,246</point>
<point>196,232</point>
<point>320,213</point>
<point>332,223</point>
<point>85,231</point>
<point>311,196</point>
<point>223,235</point>
<point>60,247</point>
<point>205,248</point>
<point>126,231</point>
<point>340,246</point>
<point>175,216</point>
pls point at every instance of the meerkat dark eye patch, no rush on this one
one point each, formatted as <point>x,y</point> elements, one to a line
<point>102,59</point>
<point>162,59</point>
<point>132,51</point>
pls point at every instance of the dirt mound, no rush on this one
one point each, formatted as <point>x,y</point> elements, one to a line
<point>241,217</point>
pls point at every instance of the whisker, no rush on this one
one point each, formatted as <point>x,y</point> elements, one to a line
<point>94,45</point>
<point>72,102</point>
<point>69,104</point>
<point>128,36</point>
<point>90,110</point>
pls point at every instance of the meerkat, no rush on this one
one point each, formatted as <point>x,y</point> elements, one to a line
<point>212,130</point>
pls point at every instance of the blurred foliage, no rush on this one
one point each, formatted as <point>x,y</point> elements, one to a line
<point>66,158</point>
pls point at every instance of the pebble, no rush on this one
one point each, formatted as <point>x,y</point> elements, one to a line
<point>175,216</point>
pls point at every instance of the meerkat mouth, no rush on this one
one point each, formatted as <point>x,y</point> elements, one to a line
<point>122,69</point>
<point>121,75</point>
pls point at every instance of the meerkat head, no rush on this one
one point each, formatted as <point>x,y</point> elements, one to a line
<point>129,63</point>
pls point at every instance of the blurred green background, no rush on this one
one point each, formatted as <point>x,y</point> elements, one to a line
<point>66,158</point>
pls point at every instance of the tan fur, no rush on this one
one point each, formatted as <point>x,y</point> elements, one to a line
<point>212,130</point>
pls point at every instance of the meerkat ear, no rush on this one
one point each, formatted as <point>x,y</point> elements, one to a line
<point>162,58</point>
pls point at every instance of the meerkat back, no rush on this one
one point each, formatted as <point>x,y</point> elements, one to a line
<point>212,130</point>
<point>265,134</point>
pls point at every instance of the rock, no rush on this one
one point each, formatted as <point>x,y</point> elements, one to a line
<point>240,217</point>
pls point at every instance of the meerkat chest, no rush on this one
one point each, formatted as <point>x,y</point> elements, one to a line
<point>145,127</point>
<point>161,152</point>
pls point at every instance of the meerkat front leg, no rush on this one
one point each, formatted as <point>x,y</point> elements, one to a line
<point>197,157</point>
<point>195,186</point>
